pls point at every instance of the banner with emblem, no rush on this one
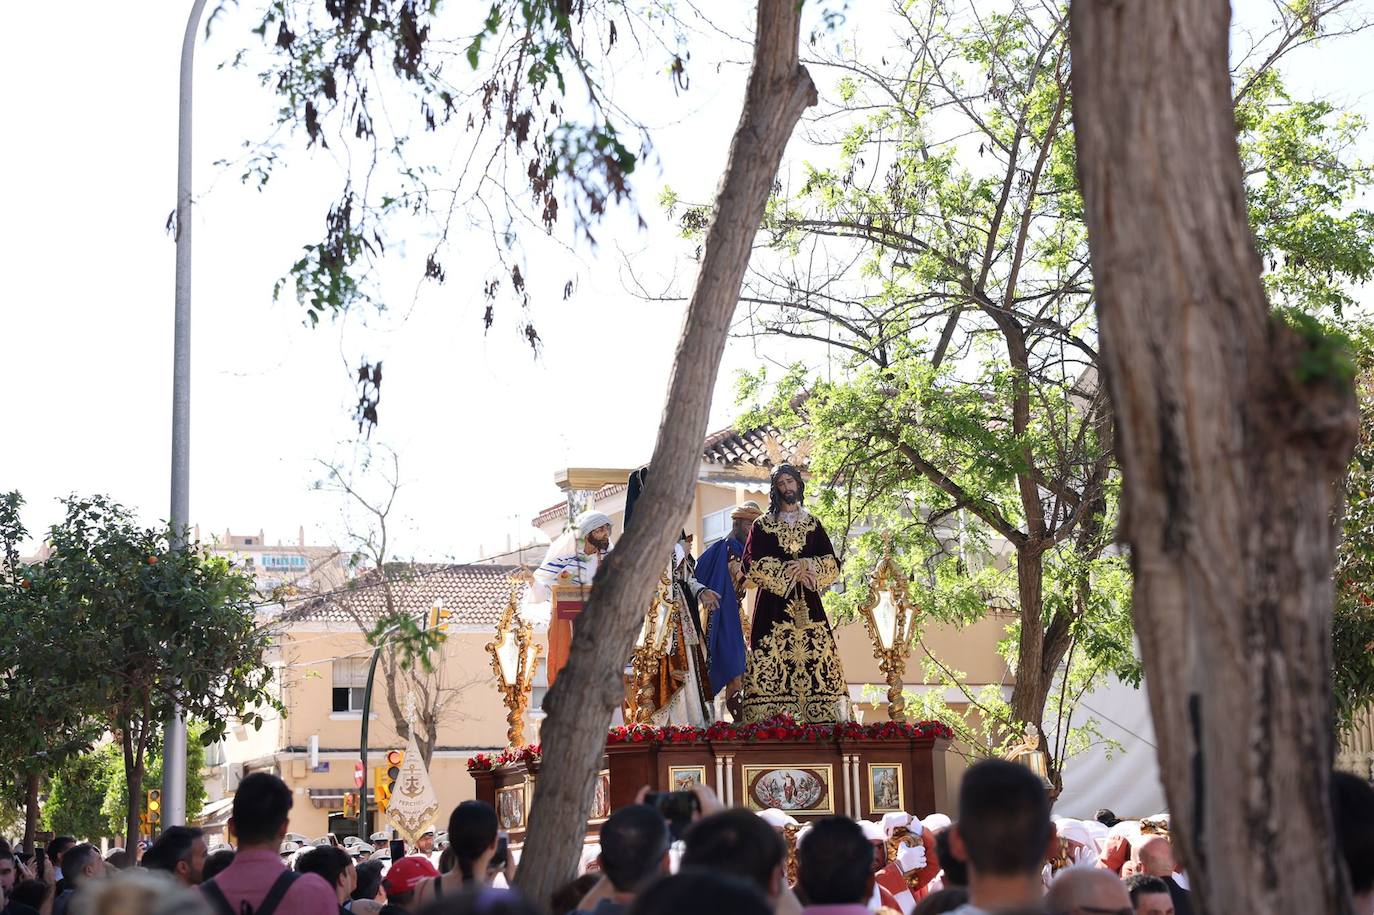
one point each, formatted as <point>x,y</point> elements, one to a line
<point>413,801</point>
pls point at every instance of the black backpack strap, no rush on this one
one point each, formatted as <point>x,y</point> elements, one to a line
<point>215,896</point>
<point>275,894</point>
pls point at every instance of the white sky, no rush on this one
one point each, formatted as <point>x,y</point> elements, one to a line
<point>88,172</point>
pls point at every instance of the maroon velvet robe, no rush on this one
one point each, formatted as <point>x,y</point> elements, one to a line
<point>793,665</point>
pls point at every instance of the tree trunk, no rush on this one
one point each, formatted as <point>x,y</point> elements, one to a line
<point>1229,456</point>
<point>1032,687</point>
<point>589,688</point>
<point>32,783</point>
<point>133,777</point>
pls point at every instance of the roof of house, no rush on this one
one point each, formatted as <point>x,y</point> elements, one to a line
<point>759,447</point>
<point>763,446</point>
<point>476,593</point>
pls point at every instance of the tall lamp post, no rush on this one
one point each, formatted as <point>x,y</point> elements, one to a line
<point>174,733</point>
<point>891,621</point>
<point>514,657</point>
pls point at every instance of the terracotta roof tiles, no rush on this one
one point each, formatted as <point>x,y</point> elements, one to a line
<point>477,593</point>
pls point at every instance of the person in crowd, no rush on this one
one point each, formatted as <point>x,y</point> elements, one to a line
<point>425,844</point>
<point>56,849</point>
<point>29,895</point>
<point>335,866</point>
<point>179,851</point>
<point>741,843</point>
<point>1002,835</point>
<point>215,862</point>
<point>139,891</point>
<point>403,882</point>
<point>370,881</point>
<point>1157,860</point>
<point>953,872</point>
<point>698,892</point>
<point>1106,817</point>
<point>835,868</point>
<point>482,900</point>
<point>634,850</point>
<point>1149,895</point>
<point>473,831</point>
<point>10,872</point>
<point>949,899</point>
<point>257,878</point>
<point>1352,806</point>
<point>117,859</point>
<point>1087,891</point>
<point>569,896</point>
<point>82,867</point>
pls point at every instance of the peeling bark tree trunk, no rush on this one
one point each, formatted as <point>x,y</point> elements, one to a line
<point>590,688</point>
<point>32,782</point>
<point>1230,460</point>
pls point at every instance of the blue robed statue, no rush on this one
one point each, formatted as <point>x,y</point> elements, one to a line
<point>719,569</point>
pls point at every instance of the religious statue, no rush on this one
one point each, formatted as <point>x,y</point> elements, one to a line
<point>793,664</point>
<point>564,579</point>
<point>675,692</point>
<point>721,568</point>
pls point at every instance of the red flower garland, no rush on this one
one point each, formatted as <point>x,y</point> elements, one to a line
<point>485,762</point>
<point>780,727</point>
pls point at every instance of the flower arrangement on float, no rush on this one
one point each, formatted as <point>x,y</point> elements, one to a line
<point>485,762</point>
<point>779,727</point>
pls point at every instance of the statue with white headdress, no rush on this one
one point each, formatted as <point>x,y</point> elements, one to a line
<point>563,580</point>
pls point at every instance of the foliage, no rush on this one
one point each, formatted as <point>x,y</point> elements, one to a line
<point>522,80</point>
<point>88,796</point>
<point>1352,626</point>
<point>155,625</point>
<point>44,705</point>
<point>941,259</point>
<point>1302,183</point>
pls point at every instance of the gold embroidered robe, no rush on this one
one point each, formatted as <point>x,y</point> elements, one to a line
<point>793,665</point>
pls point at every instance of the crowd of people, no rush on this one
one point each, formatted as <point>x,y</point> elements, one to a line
<point>1003,854</point>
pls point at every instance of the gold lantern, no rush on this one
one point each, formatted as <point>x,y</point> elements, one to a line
<point>651,644</point>
<point>891,621</point>
<point>1030,754</point>
<point>514,658</point>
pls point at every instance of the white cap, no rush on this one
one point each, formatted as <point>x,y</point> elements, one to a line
<point>589,521</point>
<point>872,831</point>
<point>935,821</point>
<point>777,818</point>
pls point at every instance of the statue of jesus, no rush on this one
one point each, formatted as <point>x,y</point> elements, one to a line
<point>793,665</point>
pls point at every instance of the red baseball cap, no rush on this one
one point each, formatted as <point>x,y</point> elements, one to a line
<point>408,873</point>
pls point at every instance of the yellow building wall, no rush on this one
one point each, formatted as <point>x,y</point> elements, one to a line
<point>474,720</point>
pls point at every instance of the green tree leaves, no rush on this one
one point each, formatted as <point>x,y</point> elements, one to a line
<point>116,626</point>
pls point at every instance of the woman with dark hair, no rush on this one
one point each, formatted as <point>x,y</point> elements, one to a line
<point>472,841</point>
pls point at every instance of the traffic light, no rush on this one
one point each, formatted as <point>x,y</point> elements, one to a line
<point>386,778</point>
<point>153,804</point>
<point>439,618</point>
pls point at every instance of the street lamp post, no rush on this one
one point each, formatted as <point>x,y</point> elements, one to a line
<point>891,621</point>
<point>174,734</point>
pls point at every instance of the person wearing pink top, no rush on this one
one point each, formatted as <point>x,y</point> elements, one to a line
<point>258,881</point>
